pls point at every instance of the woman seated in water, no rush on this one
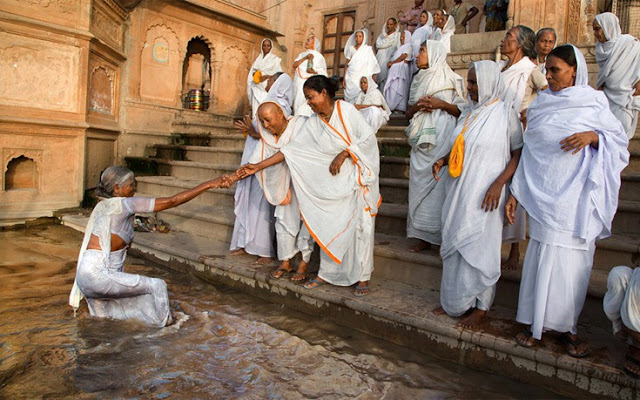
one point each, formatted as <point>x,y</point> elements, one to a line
<point>110,292</point>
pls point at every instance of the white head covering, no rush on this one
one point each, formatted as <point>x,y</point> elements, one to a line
<point>489,83</point>
<point>262,42</point>
<point>404,48</point>
<point>351,42</point>
<point>582,73</point>
<point>281,92</point>
<point>429,21</point>
<point>449,26</point>
<point>386,40</point>
<point>316,43</point>
<point>438,76</point>
<point>610,25</point>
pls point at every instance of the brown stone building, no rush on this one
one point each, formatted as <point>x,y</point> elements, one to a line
<point>86,83</point>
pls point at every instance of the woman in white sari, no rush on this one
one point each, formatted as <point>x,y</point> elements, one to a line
<point>618,57</point>
<point>435,94</point>
<point>568,182</point>
<point>338,200</point>
<point>372,105</point>
<point>522,82</point>
<point>445,28</point>
<point>100,278</point>
<point>266,65</point>
<point>360,62</point>
<point>546,40</point>
<point>422,33</point>
<point>483,158</point>
<point>396,91</point>
<point>386,45</point>
<point>310,62</point>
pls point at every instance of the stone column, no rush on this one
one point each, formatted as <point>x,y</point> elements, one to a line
<point>216,66</point>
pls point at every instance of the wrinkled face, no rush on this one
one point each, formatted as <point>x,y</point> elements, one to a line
<point>560,75</point>
<point>266,47</point>
<point>391,25</point>
<point>422,61</point>
<point>364,84</point>
<point>359,38</point>
<point>424,17</point>
<point>402,38</point>
<point>598,32</point>
<point>439,19</point>
<point>544,45</point>
<point>472,84</point>
<point>126,190</point>
<point>309,43</point>
<point>316,100</point>
<point>272,119</point>
<point>509,45</point>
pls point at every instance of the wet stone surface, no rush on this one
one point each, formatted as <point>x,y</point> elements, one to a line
<point>231,346</point>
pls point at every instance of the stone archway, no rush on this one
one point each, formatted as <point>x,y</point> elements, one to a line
<point>197,68</point>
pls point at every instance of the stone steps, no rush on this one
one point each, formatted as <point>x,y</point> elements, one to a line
<point>191,170</point>
<point>220,155</point>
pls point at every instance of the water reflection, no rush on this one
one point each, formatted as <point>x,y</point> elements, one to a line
<point>231,346</point>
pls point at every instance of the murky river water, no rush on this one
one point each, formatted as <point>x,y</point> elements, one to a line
<point>232,345</point>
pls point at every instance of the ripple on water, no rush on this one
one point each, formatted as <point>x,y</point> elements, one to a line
<point>223,345</point>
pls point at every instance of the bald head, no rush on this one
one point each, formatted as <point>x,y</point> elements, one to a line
<point>272,118</point>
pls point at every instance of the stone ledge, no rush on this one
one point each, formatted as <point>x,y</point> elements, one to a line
<point>401,313</point>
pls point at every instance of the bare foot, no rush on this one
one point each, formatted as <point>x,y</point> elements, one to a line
<point>263,260</point>
<point>438,311</point>
<point>301,273</point>
<point>420,245</point>
<point>514,258</point>
<point>238,252</point>
<point>472,320</point>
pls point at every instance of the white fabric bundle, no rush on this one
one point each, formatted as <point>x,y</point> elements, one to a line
<point>590,178</point>
<point>300,105</point>
<point>268,64</point>
<point>386,45</point>
<point>396,90</point>
<point>375,116</point>
<point>515,80</point>
<point>362,62</point>
<point>619,62</point>
<point>621,303</point>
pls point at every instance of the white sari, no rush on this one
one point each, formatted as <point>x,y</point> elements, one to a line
<point>338,210</point>
<point>386,45</point>
<point>422,33</point>
<point>621,303</point>
<point>267,64</point>
<point>429,137</point>
<point>570,198</point>
<point>471,237</point>
<point>445,34</point>
<point>292,236</point>
<point>362,62</point>
<point>378,115</point>
<point>396,91</point>
<point>619,62</point>
<point>318,64</point>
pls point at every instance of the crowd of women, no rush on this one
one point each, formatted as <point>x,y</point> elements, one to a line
<point>527,136</point>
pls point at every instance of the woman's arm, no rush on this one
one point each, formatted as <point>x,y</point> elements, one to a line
<point>579,141</point>
<point>397,60</point>
<point>250,169</point>
<point>296,64</point>
<point>437,166</point>
<point>492,197</point>
<point>164,203</point>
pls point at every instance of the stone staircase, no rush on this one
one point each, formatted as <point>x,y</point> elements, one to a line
<point>194,155</point>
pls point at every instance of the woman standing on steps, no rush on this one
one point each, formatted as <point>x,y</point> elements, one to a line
<point>334,163</point>
<point>484,155</point>
<point>568,182</point>
<point>110,292</point>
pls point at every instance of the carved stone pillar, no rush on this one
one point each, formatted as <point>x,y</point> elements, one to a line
<point>216,66</point>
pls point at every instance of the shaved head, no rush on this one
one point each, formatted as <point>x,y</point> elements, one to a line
<point>272,118</point>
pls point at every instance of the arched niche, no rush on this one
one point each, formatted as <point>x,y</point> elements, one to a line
<point>21,173</point>
<point>196,67</point>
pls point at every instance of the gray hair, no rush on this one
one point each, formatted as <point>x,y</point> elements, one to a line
<point>526,38</point>
<point>114,175</point>
<point>547,30</point>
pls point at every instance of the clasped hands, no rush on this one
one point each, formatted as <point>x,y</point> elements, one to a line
<point>429,103</point>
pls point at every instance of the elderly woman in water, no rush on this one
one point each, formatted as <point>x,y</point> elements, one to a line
<point>110,292</point>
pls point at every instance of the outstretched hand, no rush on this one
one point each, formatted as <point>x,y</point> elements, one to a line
<point>510,209</point>
<point>245,125</point>
<point>224,181</point>
<point>337,162</point>
<point>245,171</point>
<point>579,141</point>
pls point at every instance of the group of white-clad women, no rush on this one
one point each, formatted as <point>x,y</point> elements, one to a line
<point>313,166</point>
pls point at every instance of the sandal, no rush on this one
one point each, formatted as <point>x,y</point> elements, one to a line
<point>313,283</point>
<point>280,273</point>
<point>298,277</point>
<point>528,335</point>
<point>635,363</point>
<point>575,343</point>
<point>362,291</point>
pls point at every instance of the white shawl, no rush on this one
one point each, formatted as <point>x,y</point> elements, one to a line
<point>386,45</point>
<point>492,130</point>
<point>362,62</point>
<point>329,204</point>
<point>100,225</point>
<point>421,34</point>
<point>515,80</point>
<point>619,63</point>
<point>268,64</point>
<point>436,78</point>
<point>373,97</point>
<point>281,93</point>
<point>444,35</point>
<point>574,196</point>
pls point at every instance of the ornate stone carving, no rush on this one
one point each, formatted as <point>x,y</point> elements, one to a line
<point>62,6</point>
<point>107,27</point>
<point>102,89</point>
